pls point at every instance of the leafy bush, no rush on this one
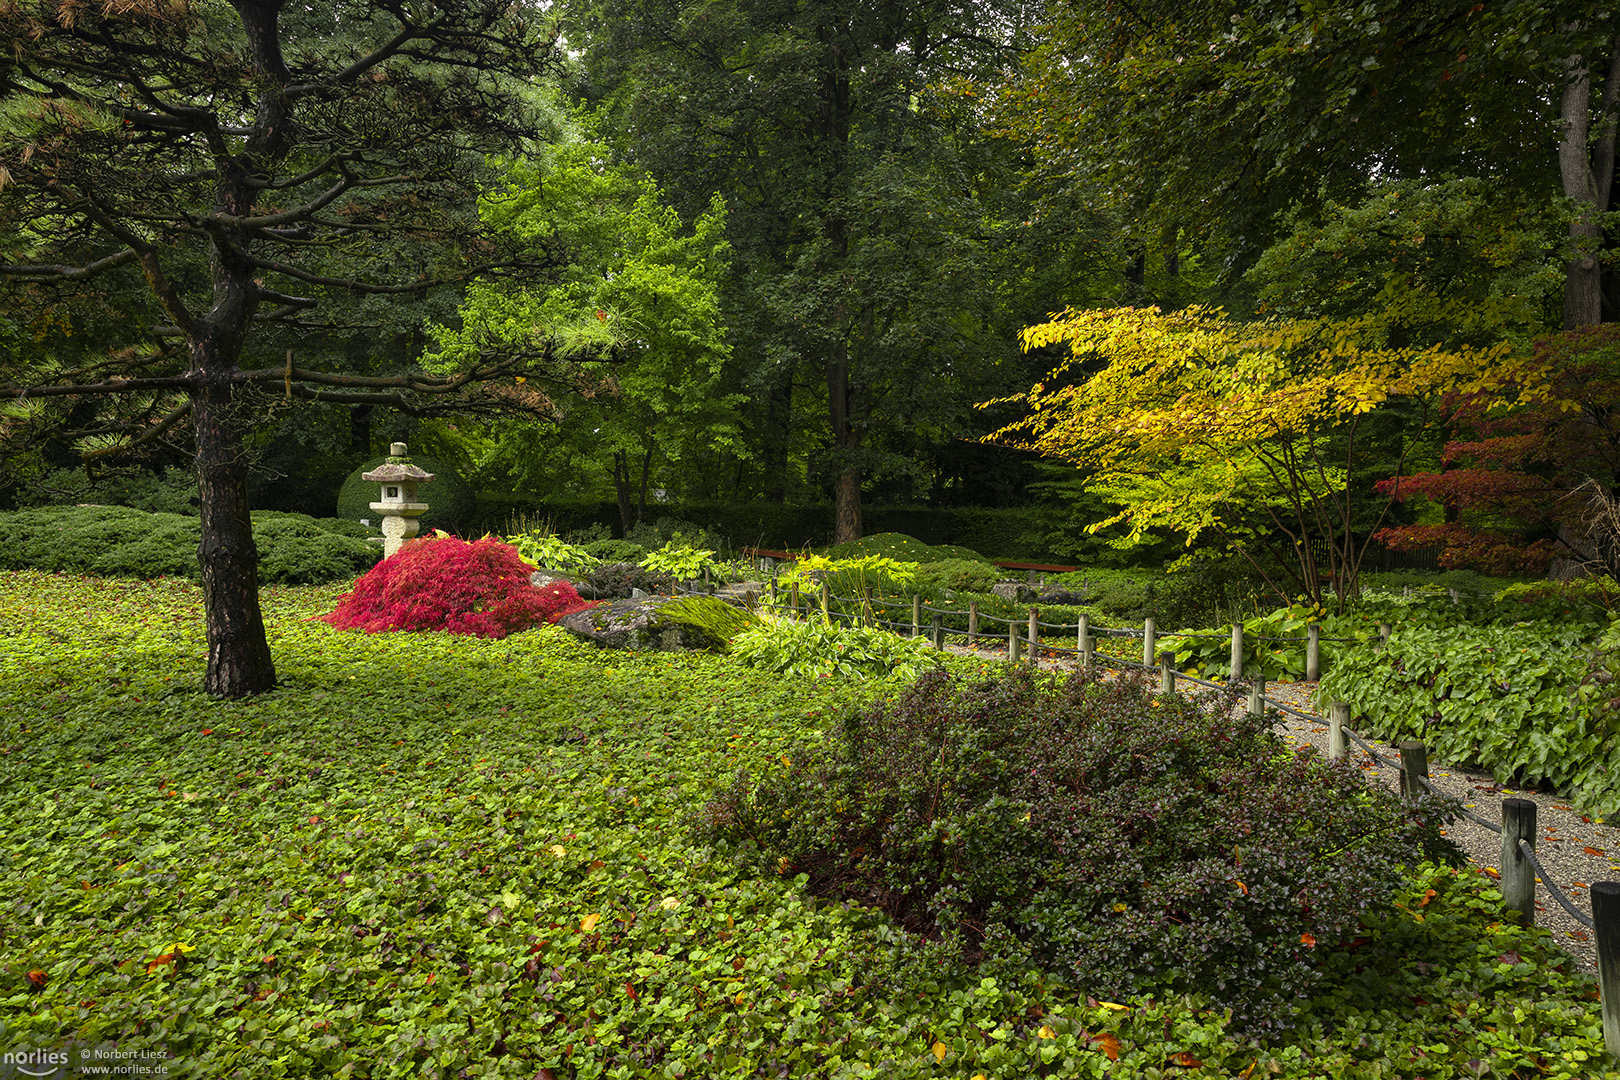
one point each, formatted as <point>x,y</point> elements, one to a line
<point>452,505</point>
<point>615,551</point>
<point>615,581</point>
<point>174,491</point>
<point>956,575</point>
<point>814,649</point>
<point>1274,644</point>
<point>900,548</point>
<point>680,560</point>
<point>442,583</point>
<point>551,552</point>
<point>1495,696</point>
<point>850,576</point>
<point>1128,840</point>
<point>117,541</point>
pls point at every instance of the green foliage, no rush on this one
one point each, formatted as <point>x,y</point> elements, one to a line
<point>956,575</point>
<point>850,575</point>
<point>116,541</point>
<point>475,802</point>
<point>174,491</point>
<point>680,560</point>
<point>1144,841</point>
<point>720,620</point>
<point>452,504</point>
<point>1498,696</point>
<point>552,552</point>
<point>813,649</point>
<point>618,580</point>
<point>1208,652</point>
<point>614,551</point>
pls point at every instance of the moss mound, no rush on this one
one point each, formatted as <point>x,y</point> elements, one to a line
<point>903,548</point>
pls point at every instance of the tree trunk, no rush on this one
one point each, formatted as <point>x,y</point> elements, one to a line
<point>646,470</point>
<point>1586,166</point>
<point>239,660</point>
<point>846,439</point>
<point>621,488</point>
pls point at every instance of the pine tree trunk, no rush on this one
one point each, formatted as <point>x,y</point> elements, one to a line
<point>239,660</point>
<point>846,439</point>
<point>1586,165</point>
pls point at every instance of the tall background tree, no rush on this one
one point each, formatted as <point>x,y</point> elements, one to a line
<point>868,210</point>
<point>224,177</point>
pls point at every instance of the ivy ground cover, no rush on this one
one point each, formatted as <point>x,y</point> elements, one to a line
<point>428,855</point>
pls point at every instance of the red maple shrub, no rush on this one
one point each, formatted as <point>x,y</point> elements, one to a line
<point>442,583</point>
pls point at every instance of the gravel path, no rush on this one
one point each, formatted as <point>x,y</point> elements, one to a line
<point>1575,849</point>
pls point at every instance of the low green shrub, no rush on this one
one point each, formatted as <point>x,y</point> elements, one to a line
<point>956,575</point>
<point>680,560</point>
<point>1126,839</point>
<point>551,552</point>
<point>1274,644</point>
<point>614,551</point>
<point>173,491</point>
<point>900,548</point>
<point>117,541</point>
<point>814,649</point>
<point>850,576</point>
<point>1499,697</point>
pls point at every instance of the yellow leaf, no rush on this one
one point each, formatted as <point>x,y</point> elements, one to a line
<point>558,850</point>
<point>1046,1032</point>
<point>588,923</point>
<point>1112,1005</point>
<point>739,1000</point>
<point>940,1050</point>
<point>669,903</point>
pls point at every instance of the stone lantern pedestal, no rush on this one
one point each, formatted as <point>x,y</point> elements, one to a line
<point>398,504</point>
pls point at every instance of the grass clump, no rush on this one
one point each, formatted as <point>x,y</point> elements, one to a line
<point>815,650</point>
<point>1127,840</point>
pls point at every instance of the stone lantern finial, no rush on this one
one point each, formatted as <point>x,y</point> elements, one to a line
<point>398,504</point>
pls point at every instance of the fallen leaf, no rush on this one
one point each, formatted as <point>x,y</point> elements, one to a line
<point>1242,888</point>
<point>940,1050</point>
<point>1046,1033</point>
<point>166,958</point>
<point>669,903</point>
<point>1593,851</point>
<point>1112,1005</point>
<point>1428,894</point>
<point>739,999</point>
<point>1308,940</point>
<point>631,990</point>
<point>1186,1061</point>
<point>40,978</point>
<point>588,923</point>
<point>1108,1044</point>
<point>558,850</point>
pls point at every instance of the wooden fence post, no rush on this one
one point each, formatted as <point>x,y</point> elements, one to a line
<point>1313,652</point>
<point>1518,876</point>
<point>1338,721</point>
<point>916,615</point>
<point>1257,696</point>
<point>1237,652</point>
<point>1149,655</point>
<point>1167,673</point>
<point>1034,636</point>
<point>1606,928</point>
<point>826,602</point>
<point>1012,641</point>
<point>939,630</point>
<point>1414,767</point>
<point>973,624</point>
<point>1082,642</point>
<point>866,605</point>
<point>1384,630</point>
<point>795,601</point>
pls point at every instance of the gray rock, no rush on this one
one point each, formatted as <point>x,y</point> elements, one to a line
<point>637,624</point>
<point>1052,594</point>
<point>1013,592</point>
<point>541,578</point>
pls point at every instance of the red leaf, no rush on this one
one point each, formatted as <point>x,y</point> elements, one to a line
<point>1428,894</point>
<point>38,978</point>
<point>1108,1044</point>
<point>631,990</point>
<point>1308,940</point>
<point>1186,1061</point>
<point>166,958</point>
<point>1593,851</point>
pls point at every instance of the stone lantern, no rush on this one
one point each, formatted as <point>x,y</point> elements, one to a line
<point>398,504</point>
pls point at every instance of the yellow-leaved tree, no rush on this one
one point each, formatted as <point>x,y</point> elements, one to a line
<point>1194,423</point>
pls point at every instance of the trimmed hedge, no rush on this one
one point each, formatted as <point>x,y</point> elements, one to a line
<point>118,541</point>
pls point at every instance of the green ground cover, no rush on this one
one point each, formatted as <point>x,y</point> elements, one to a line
<point>427,855</point>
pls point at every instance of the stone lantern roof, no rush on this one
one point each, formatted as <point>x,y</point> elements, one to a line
<point>396,470</point>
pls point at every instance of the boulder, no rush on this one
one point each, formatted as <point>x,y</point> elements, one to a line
<point>1052,594</point>
<point>1013,592</point>
<point>643,624</point>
